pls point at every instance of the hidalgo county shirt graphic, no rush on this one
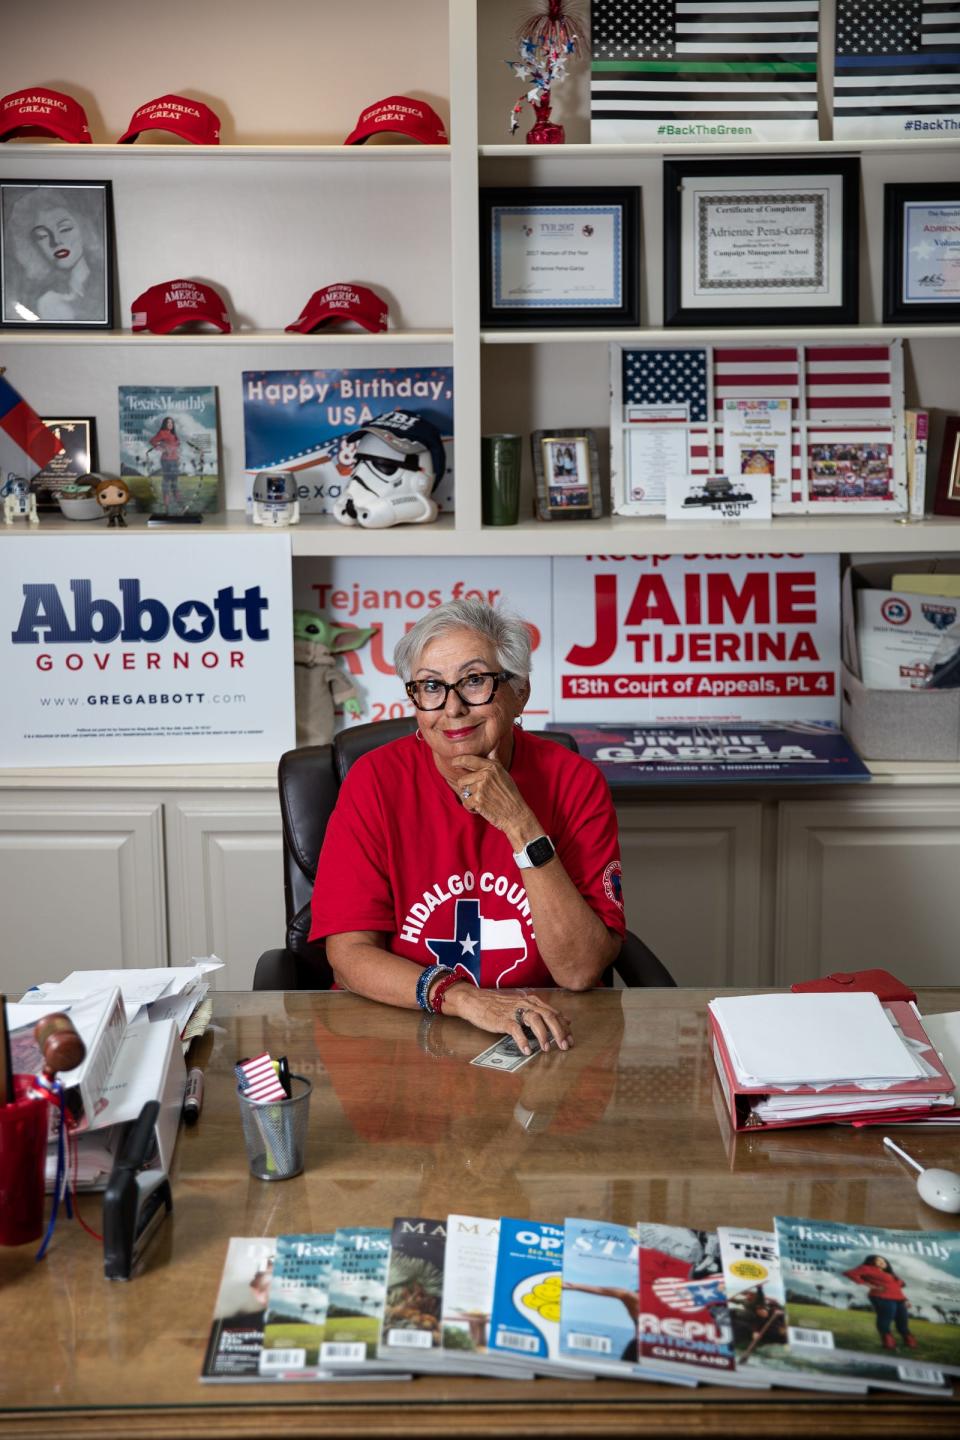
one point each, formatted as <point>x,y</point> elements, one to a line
<point>401,855</point>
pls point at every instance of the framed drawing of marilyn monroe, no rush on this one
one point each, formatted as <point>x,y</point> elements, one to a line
<point>56,255</point>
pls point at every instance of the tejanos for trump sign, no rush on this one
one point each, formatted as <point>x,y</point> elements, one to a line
<point>647,638</point>
<point>132,650</point>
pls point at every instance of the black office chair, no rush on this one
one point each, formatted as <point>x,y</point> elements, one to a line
<point>309,780</point>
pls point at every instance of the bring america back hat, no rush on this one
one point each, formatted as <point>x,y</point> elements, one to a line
<point>166,307</point>
<point>342,302</point>
<point>42,112</point>
<point>399,115</point>
<point>190,119</point>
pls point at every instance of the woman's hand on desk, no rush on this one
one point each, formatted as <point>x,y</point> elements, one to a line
<point>495,1010</point>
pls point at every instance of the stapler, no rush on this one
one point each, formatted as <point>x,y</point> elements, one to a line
<point>137,1198</point>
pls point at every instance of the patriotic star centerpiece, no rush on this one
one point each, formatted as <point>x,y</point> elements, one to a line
<point>547,41</point>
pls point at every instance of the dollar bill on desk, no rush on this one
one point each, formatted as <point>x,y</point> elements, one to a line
<point>505,1055</point>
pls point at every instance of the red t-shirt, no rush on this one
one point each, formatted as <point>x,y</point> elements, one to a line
<point>402,856</point>
<point>881,1285</point>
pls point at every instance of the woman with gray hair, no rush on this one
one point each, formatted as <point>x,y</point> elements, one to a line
<point>486,856</point>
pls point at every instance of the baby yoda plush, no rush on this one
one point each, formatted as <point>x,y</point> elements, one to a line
<point>319,683</point>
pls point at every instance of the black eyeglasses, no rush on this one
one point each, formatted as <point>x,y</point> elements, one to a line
<point>385,466</point>
<point>477,688</point>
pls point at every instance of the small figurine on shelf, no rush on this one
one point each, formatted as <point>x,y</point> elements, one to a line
<point>19,501</point>
<point>319,683</point>
<point>275,498</point>
<point>547,41</point>
<point>398,463</point>
<point>113,497</point>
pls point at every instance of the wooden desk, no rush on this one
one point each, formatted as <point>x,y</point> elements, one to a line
<point>625,1127</point>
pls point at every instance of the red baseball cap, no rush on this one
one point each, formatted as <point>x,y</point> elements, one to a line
<point>44,112</point>
<point>399,115</point>
<point>339,302</point>
<point>165,307</point>
<point>190,119</point>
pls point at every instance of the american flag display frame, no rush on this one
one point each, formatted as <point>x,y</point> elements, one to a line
<point>847,419</point>
<point>757,195</point>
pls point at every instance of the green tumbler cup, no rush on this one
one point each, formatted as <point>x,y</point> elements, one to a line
<point>500,478</point>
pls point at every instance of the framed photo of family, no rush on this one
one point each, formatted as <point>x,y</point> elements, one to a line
<point>566,468</point>
<point>774,241</point>
<point>921,253</point>
<point>947,496</point>
<point>559,258</point>
<point>56,255</point>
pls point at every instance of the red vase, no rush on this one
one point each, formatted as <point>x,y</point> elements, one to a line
<point>544,132</point>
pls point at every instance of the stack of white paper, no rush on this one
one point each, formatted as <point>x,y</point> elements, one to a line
<point>814,1042</point>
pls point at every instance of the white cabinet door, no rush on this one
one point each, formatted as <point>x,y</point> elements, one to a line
<point>692,888</point>
<point>81,885</point>
<point>224,854</point>
<point>871,881</point>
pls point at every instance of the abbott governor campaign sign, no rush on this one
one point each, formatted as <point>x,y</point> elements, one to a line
<point>661,638</point>
<point>128,650</point>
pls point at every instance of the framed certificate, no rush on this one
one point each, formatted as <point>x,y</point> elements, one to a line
<point>78,458</point>
<point>559,258</point>
<point>921,253</point>
<point>777,242</point>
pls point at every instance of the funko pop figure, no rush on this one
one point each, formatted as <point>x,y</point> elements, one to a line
<point>113,497</point>
<point>275,498</point>
<point>19,501</point>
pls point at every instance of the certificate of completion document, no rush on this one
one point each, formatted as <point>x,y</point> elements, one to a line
<point>654,453</point>
<point>757,440</point>
<point>753,243</point>
<point>931,253</point>
<point>553,256</point>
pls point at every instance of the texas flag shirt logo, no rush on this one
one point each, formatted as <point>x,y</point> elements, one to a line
<point>474,937</point>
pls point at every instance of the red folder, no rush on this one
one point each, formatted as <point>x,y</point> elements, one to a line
<point>915,1094</point>
<point>879,982</point>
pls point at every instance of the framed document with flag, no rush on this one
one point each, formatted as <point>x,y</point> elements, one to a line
<point>896,70</point>
<point>676,72</point>
<point>775,240</point>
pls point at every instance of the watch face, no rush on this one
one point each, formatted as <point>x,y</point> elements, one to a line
<point>539,851</point>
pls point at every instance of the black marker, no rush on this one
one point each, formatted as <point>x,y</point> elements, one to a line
<point>193,1097</point>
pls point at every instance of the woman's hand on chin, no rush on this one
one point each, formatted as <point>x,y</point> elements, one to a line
<point>487,789</point>
<point>496,1011</point>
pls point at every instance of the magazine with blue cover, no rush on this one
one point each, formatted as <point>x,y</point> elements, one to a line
<point>169,453</point>
<point>810,751</point>
<point>526,1296</point>
<point>886,1301</point>
<point>297,1305</point>
<point>600,1306</point>
<point>358,1288</point>
<point>304,421</point>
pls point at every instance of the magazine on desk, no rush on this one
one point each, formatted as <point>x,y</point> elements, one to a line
<point>884,1302</point>
<point>297,1307</point>
<point>236,1334</point>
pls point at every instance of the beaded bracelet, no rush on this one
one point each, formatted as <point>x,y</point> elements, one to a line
<point>424,981</point>
<point>442,986</point>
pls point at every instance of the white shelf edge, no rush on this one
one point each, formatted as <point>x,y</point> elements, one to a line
<point>317,535</point>
<point>77,153</point>
<point>703,152</point>
<point>214,337</point>
<point>726,334</point>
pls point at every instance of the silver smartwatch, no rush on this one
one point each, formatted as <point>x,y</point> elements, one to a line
<point>535,854</point>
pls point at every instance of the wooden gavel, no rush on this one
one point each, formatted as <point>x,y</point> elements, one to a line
<point>60,1045</point>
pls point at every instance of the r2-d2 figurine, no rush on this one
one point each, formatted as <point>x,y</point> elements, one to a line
<point>275,498</point>
<point>398,464</point>
<point>19,501</point>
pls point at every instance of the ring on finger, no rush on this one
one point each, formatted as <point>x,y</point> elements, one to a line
<point>518,1014</point>
<point>466,793</point>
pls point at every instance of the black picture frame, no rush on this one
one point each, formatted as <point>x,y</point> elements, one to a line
<point>624,311</point>
<point>566,469</point>
<point>897,309</point>
<point>42,288</point>
<point>78,436</point>
<point>742,179</point>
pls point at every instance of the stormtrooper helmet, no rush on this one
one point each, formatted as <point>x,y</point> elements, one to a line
<point>398,462</point>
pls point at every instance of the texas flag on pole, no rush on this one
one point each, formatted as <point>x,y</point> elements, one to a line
<point>26,445</point>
